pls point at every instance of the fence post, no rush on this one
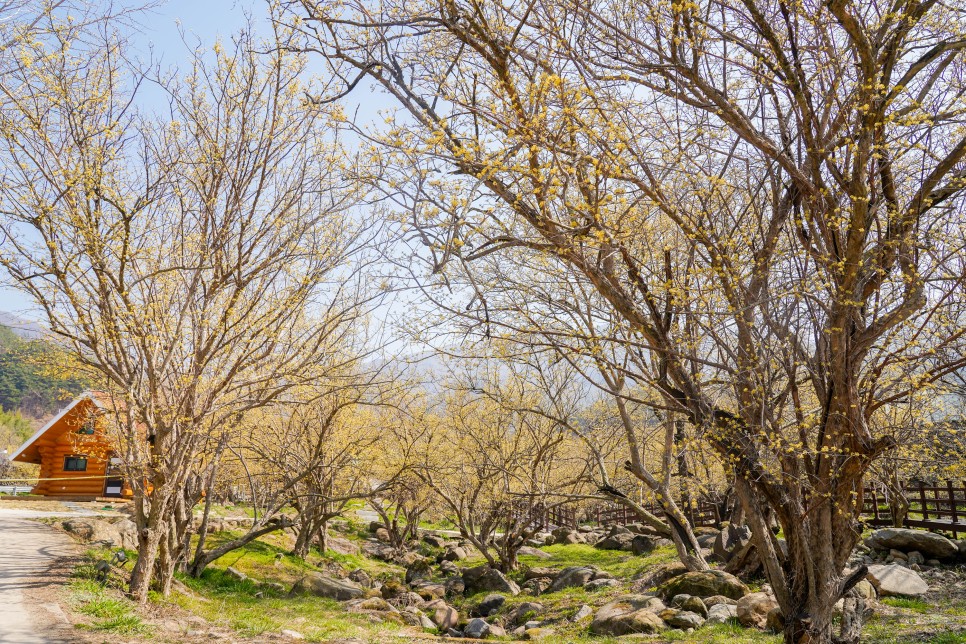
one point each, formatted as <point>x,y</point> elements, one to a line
<point>922,500</point>
<point>875,506</point>
<point>952,507</point>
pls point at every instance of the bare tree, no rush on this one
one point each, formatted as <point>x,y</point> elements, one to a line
<point>199,264</point>
<point>784,178</point>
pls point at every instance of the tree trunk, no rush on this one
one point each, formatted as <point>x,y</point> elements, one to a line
<point>149,540</point>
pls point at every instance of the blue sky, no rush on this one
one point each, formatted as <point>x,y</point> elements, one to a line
<point>162,34</point>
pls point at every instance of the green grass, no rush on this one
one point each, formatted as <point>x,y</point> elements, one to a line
<point>622,565</point>
<point>915,605</point>
<point>111,612</point>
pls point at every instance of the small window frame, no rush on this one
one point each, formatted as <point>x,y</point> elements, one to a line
<point>75,463</point>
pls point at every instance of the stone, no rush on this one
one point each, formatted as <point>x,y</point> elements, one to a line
<point>620,541</point>
<point>907,540</point>
<point>486,579</point>
<point>320,585</point>
<point>426,623</point>
<point>443,615</point>
<point>407,600</point>
<point>658,575</point>
<point>537,633</point>
<point>525,612</point>
<point>236,574</point>
<point>383,535</point>
<point>775,622</point>
<point>752,610</point>
<point>392,588</point>
<point>689,603</point>
<point>455,553</point>
<point>915,557</point>
<point>418,570</point>
<point>642,544</point>
<point>361,577</point>
<point>429,589</point>
<point>448,568</point>
<point>340,545</point>
<point>865,589</point>
<point>535,573</point>
<point>567,536</point>
<point>536,586</point>
<point>454,586</point>
<point>490,605</point>
<point>433,540</point>
<point>628,615</point>
<point>719,599</point>
<point>582,613</point>
<point>377,604</point>
<point>289,634</point>
<point>476,628</point>
<point>704,584</point>
<point>572,577</point>
<point>732,539</point>
<point>898,555</point>
<point>681,619</point>
<point>600,584</point>
<point>81,529</point>
<point>375,525</point>
<point>497,631</point>
<point>530,551</point>
<point>722,614</point>
<point>895,580</point>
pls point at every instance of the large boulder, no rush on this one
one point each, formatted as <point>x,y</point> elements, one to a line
<point>420,569</point>
<point>657,575</point>
<point>643,544</point>
<point>443,615</point>
<point>704,584</point>
<point>340,545</point>
<point>906,540</point>
<point>893,579</point>
<point>121,533</point>
<point>619,541</point>
<point>722,614</point>
<point>490,605</point>
<point>486,579</point>
<point>752,610</point>
<point>572,577</point>
<point>477,628</point>
<point>315,583</point>
<point>628,615</point>
<point>682,619</point>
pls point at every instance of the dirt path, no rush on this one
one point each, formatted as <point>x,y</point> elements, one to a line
<point>32,568</point>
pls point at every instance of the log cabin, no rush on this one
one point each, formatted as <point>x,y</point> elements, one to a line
<point>75,453</point>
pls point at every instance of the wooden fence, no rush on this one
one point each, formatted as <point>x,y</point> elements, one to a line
<point>937,506</point>
<point>704,513</point>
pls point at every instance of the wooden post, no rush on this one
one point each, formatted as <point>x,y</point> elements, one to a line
<point>922,500</point>
<point>875,506</point>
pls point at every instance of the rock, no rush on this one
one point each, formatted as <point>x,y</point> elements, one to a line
<point>392,588</point>
<point>497,631</point>
<point>689,603</point>
<point>375,525</point>
<point>419,569</point>
<point>127,531</point>
<point>535,573</point>
<point>628,615</point>
<point>426,623</point>
<point>236,574</point>
<point>443,615</point>
<point>775,622</point>
<point>572,577</point>
<point>448,568</point>
<point>599,584</point>
<point>681,619</point>
<point>525,612</point>
<point>642,544</point>
<point>379,551</point>
<point>915,557</point>
<point>455,553</point>
<point>719,599</point>
<point>906,540</point>
<point>722,614</point>
<point>536,586</point>
<point>659,574</point>
<point>486,579</point>
<point>315,583</point>
<point>620,541</point>
<point>82,529</point>
<point>752,610</point>
<point>705,584</point>
<point>567,536</point>
<point>897,555</point>
<point>377,604</point>
<point>732,539</point>
<point>383,535</point>
<point>865,589</point>
<point>537,633</point>
<point>454,586</point>
<point>893,579</point>
<point>434,540</point>
<point>361,577</point>
<point>429,589</point>
<point>489,605</point>
<point>341,546</point>
<point>291,635</point>
<point>476,628</point>
<point>530,551</point>
<point>407,600</point>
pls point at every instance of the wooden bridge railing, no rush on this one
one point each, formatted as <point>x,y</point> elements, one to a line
<point>934,506</point>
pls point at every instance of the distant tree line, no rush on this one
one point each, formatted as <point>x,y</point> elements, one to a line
<point>30,381</point>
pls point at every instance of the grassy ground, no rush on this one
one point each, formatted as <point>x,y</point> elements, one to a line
<point>255,610</point>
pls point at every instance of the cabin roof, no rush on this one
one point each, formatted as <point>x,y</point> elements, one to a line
<point>28,452</point>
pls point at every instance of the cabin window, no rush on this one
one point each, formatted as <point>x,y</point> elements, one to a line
<point>75,463</point>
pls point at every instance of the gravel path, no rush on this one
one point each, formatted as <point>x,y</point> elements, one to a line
<point>29,612</point>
